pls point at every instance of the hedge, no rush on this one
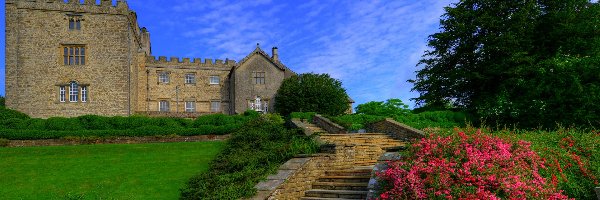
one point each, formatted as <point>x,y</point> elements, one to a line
<point>14,134</point>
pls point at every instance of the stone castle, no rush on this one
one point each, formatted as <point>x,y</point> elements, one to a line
<point>78,57</point>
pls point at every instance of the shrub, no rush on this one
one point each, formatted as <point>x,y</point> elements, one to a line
<point>6,113</point>
<point>214,119</point>
<point>12,123</point>
<point>254,151</point>
<point>311,93</point>
<point>303,115</point>
<point>94,122</point>
<point>390,107</point>
<point>572,157</point>
<point>468,166</point>
<point>355,122</point>
<point>63,124</point>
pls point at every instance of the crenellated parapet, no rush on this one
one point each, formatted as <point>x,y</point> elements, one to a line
<point>188,63</point>
<point>79,6</point>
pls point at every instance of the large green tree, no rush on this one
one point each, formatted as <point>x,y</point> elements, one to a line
<point>529,62</point>
<point>311,93</point>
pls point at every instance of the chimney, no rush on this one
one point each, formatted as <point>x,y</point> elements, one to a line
<point>275,55</point>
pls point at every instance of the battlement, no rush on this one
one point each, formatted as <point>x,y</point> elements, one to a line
<point>176,62</point>
<point>80,6</point>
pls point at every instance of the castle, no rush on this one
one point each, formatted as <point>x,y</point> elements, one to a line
<point>78,57</point>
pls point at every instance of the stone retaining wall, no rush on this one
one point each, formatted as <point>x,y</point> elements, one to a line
<point>328,125</point>
<point>398,130</point>
<point>298,174</point>
<point>115,140</point>
<point>363,149</point>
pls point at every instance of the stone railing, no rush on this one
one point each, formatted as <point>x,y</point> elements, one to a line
<point>297,123</point>
<point>598,192</point>
<point>395,129</point>
<point>328,125</point>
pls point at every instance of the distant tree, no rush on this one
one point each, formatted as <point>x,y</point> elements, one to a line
<point>532,63</point>
<point>311,93</point>
<point>2,101</point>
<point>390,107</point>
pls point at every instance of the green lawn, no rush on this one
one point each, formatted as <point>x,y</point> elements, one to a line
<point>111,171</point>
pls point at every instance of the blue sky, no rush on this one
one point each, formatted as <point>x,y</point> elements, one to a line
<point>371,46</point>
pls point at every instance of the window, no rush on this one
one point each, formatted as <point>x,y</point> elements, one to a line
<point>190,106</point>
<point>259,77</point>
<point>163,77</point>
<point>75,23</point>
<point>73,92</point>
<point>74,55</point>
<point>62,94</point>
<point>214,80</point>
<point>190,78</point>
<point>84,94</point>
<point>163,106</point>
<point>215,106</point>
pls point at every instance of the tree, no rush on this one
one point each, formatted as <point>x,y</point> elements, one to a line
<point>311,93</point>
<point>390,107</point>
<point>513,62</point>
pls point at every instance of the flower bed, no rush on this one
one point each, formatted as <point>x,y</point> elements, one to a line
<point>470,165</point>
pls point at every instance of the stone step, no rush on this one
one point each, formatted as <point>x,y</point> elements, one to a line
<point>319,198</point>
<point>345,179</point>
<point>340,186</point>
<point>346,194</point>
<point>352,172</point>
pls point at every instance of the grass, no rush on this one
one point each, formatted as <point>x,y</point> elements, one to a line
<point>110,171</point>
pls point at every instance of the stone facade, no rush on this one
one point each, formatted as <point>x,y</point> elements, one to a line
<point>101,52</point>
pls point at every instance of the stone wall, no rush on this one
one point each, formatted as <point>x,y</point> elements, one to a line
<point>398,130</point>
<point>363,149</point>
<point>328,125</point>
<point>177,92</point>
<point>243,83</point>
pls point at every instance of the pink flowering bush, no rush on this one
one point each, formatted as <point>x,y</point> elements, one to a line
<point>468,166</point>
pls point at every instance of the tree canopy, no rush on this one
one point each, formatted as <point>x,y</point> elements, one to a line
<point>530,63</point>
<point>311,93</point>
<point>391,107</point>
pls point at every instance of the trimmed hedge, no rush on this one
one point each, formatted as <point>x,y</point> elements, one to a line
<point>441,119</point>
<point>13,134</point>
<point>18,126</point>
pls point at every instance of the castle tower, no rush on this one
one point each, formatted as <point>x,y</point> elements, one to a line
<point>71,58</point>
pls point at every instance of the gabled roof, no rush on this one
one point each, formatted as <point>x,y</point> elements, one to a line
<point>259,51</point>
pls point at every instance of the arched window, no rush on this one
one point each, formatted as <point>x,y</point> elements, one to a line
<point>73,92</point>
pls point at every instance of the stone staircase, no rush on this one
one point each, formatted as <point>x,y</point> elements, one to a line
<point>351,182</point>
<point>343,170</point>
<point>341,184</point>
